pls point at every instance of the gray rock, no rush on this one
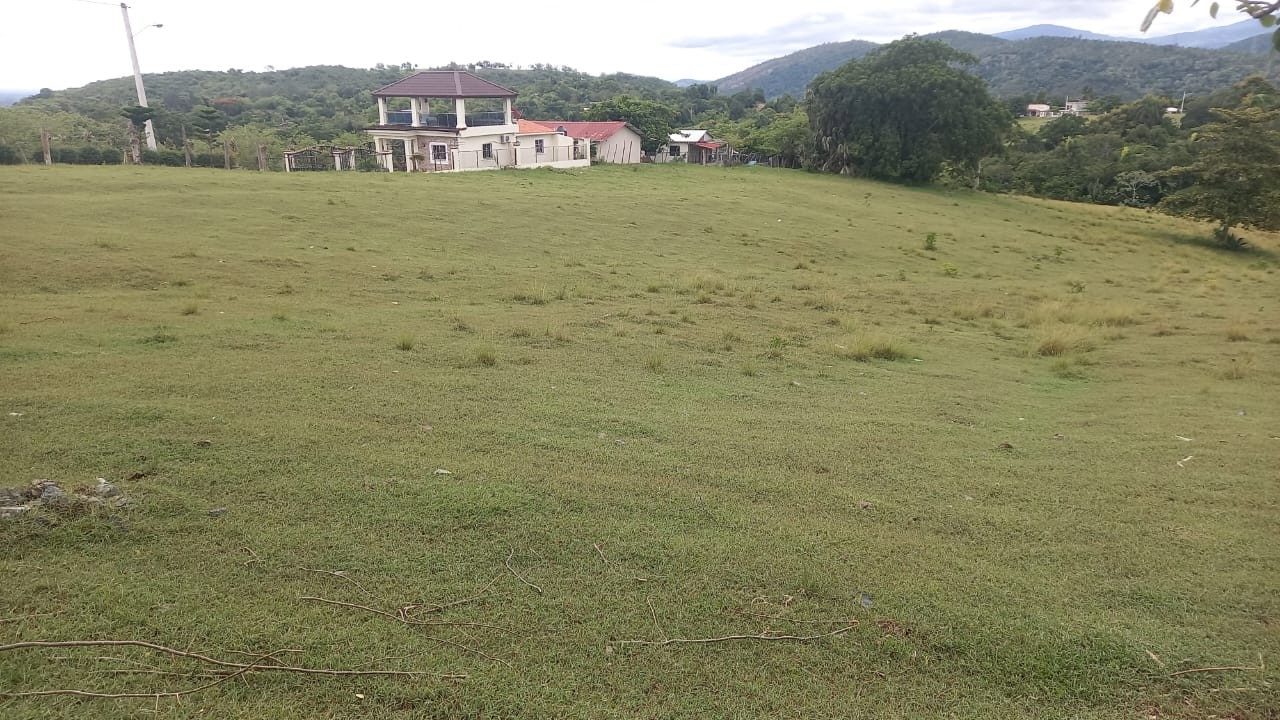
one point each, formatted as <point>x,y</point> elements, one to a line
<point>218,512</point>
<point>51,493</point>
<point>12,510</point>
<point>106,489</point>
<point>12,496</point>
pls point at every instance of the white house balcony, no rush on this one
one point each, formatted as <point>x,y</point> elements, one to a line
<point>446,120</point>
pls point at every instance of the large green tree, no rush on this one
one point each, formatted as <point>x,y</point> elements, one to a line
<point>904,111</point>
<point>1236,175</point>
<point>653,120</point>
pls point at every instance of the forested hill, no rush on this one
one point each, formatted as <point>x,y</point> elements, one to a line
<point>320,99</point>
<point>1054,66</point>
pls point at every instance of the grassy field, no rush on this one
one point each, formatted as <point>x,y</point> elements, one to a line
<point>1028,449</point>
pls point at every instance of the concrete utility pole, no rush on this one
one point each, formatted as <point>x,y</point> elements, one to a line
<point>137,74</point>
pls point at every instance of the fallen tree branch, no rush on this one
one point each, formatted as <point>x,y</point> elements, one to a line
<point>704,641</point>
<point>507,562</point>
<point>43,319</point>
<point>1261,666</point>
<point>257,667</point>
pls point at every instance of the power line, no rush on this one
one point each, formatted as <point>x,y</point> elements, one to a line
<point>99,2</point>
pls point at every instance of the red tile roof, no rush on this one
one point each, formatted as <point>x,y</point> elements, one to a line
<point>593,131</point>
<point>444,84</point>
<point>527,127</point>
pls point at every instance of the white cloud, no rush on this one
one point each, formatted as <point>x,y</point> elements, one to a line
<point>61,43</point>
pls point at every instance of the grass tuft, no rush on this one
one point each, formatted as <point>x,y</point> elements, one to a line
<point>1237,333</point>
<point>867,346</point>
<point>405,342</point>
<point>1060,339</point>
<point>190,309</point>
<point>485,356</point>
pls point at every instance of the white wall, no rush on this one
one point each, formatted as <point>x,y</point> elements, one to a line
<point>622,147</point>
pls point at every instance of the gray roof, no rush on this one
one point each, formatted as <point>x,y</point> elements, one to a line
<point>444,84</point>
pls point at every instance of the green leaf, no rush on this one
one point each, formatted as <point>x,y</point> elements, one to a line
<point>1267,20</point>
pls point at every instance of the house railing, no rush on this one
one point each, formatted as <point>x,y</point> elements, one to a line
<point>446,120</point>
<point>500,157</point>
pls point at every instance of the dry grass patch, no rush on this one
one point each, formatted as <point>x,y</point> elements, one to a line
<point>977,309</point>
<point>866,346</point>
<point>1237,333</point>
<point>1061,339</point>
<point>1082,313</point>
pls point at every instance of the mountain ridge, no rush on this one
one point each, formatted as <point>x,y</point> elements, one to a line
<point>1050,65</point>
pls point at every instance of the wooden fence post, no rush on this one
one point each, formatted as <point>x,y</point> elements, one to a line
<point>186,147</point>
<point>262,158</point>
<point>44,145</point>
<point>226,154</point>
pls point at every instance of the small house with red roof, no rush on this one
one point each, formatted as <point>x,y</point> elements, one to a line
<point>612,141</point>
<point>691,146</point>
<point>452,120</point>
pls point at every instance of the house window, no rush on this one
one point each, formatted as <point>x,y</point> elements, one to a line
<point>486,151</point>
<point>539,146</point>
<point>439,152</point>
<point>674,150</point>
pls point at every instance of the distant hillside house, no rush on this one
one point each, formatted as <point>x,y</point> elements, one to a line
<point>690,146</point>
<point>1076,107</point>
<point>451,121</point>
<point>1040,110</point>
<point>612,141</point>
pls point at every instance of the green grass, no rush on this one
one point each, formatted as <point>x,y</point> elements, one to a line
<point>1011,530</point>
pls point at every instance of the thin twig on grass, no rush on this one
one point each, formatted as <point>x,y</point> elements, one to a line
<point>704,641</point>
<point>1261,666</point>
<point>613,567</point>
<point>253,556</point>
<point>342,575</point>
<point>518,576</point>
<point>403,616</point>
<point>204,658</point>
<point>170,694</point>
<point>434,608</point>
<point>795,620</point>
<point>408,621</point>
<point>654,614</point>
<point>38,320</point>
<point>19,618</point>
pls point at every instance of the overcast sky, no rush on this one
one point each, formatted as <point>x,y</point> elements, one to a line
<point>67,43</point>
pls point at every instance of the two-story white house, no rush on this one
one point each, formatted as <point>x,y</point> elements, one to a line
<point>452,120</point>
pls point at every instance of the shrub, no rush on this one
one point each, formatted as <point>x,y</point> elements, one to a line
<point>1228,240</point>
<point>931,242</point>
